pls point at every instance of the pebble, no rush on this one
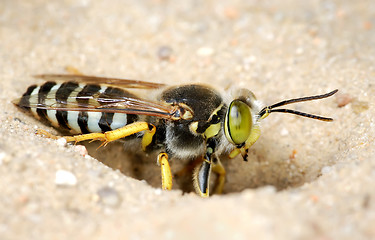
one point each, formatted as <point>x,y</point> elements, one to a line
<point>205,51</point>
<point>299,51</point>
<point>61,142</point>
<point>158,191</point>
<point>165,53</point>
<point>65,178</point>
<point>109,197</point>
<point>82,150</point>
<point>326,170</point>
<point>343,99</point>
<point>284,132</point>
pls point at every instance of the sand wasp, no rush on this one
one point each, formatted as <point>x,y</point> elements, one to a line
<point>183,122</point>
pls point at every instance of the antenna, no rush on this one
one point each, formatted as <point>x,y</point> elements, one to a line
<point>269,109</point>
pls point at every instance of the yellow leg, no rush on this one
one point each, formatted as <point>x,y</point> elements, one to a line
<point>106,137</point>
<point>201,178</point>
<point>147,137</point>
<point>219,169</point>
<point>166,174</point>
<point>46,134</point>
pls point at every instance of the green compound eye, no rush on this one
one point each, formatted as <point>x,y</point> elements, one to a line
<point>238,122</point>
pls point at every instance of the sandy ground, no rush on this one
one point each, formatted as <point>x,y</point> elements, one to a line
<point>305,179</point>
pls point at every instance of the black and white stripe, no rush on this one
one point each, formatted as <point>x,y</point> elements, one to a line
<point>70,95</point>
<point>61,96</point>
<point>83,98</point>
<point>42,94</point>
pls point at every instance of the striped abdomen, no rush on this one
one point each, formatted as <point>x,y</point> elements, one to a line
<point>42,101</point>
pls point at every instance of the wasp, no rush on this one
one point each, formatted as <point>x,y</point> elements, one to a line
<point>183,122</point>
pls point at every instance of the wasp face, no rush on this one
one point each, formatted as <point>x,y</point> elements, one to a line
<point>240,123</point>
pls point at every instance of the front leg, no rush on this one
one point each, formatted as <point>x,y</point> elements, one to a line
<point>201,175</point>
<point>201,178</point>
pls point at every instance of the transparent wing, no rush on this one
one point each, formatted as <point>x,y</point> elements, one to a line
<point>118,82</point>
<point>101,102</point>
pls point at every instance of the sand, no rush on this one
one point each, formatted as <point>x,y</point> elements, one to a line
<point>305,179</point>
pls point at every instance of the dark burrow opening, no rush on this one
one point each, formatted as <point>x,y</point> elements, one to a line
<point>262,168</point>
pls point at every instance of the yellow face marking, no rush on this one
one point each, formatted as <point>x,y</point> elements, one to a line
<point>212,130</point>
